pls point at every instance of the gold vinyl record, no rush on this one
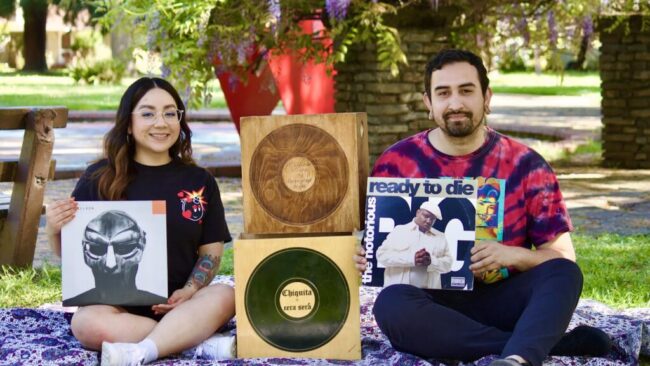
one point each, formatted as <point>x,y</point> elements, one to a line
<point>299,174</point>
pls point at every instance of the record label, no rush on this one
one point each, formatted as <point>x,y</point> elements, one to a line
<point>297,299</point>
<point>298,174</point>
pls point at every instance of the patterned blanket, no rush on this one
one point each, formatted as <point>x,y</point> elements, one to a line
<point>42,337</point>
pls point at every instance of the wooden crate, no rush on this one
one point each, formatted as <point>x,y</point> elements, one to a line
<point>304,173</point>
<point>291,294</point>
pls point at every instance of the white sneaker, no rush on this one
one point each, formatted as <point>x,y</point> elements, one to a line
<point>220,346</point>
<point>121,354</point>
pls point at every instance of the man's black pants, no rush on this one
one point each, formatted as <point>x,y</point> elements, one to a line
<point>523,315</point>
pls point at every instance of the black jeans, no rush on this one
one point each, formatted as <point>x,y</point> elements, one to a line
<point>523,315</point>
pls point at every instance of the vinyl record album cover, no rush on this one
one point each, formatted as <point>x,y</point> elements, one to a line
<point>420,232</point>
<point>297,297</point>
<point>115,252</point>
<point>318,163</point>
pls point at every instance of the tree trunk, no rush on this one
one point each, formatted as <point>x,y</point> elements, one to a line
<point>35,14</point>
<point>578,64</point>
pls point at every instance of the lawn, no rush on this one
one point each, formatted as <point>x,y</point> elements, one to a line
<point>59,90</point>
<point>572,83</point>
<point>615,270</point>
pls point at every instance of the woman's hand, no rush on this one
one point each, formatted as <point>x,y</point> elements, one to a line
<point>178,297</point>
<point>59,213</point>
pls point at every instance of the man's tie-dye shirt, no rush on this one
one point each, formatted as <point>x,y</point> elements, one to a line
<point>534,211</point>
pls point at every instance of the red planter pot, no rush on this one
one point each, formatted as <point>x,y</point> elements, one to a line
<point>256,97</point>
<point>305,88</point>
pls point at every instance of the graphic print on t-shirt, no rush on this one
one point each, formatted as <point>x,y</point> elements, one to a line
<point>192,204</point>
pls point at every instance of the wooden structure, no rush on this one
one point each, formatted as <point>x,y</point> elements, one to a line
<point>298,296</point>
<point>304,173</point>
<point>19,219</point>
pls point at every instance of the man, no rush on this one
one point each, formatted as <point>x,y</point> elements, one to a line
<point>523,317</point>
<point>416,253</point>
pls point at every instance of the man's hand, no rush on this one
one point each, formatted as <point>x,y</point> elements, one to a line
<point>422,258</point>
<point>179,296</point>
<point>360,259</point>
<point>490,255</point>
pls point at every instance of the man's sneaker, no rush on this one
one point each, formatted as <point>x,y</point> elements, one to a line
<point>121,354</point>
<point>507,362</point>
<point>220,346</point>
<point>583,341</point>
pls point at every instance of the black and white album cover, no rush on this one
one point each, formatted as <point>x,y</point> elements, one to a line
<point>115,252</point>
<point>420,232</point>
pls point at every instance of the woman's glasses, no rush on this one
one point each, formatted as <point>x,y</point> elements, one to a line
<point>170,116</point>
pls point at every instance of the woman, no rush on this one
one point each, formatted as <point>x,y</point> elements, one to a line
<point>148,156</point>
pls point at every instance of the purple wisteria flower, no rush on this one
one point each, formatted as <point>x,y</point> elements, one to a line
<point>213,50</point>
<point>276,13</point>
<point>165,71</point>
<point>152,30</point>
<point>587,26</point>
<point>274,9</point>
<point>203,37</point>
<point>244,49</point>
<point>186,96</point>
<point>552,29</point>
<point>337,9</point>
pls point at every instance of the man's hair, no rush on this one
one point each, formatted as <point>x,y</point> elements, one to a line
<point>451,56</point>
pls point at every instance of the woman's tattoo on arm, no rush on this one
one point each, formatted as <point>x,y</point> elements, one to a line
<point>204,270</point>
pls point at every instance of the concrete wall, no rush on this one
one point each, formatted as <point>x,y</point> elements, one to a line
<point>625,75</point>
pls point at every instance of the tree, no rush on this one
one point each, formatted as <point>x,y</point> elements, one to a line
<point>34,33</point>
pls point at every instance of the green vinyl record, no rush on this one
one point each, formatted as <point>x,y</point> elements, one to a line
<point>297,299</point>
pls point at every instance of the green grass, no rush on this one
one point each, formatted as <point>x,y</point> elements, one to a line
<point>18,89</point>
<point>31,287</point>
<point>616,268</point>
<point>573,83</point>
<point>592,147</point>
<point>59,90</point>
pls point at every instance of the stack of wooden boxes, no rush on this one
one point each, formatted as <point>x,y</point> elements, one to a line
<point>304,182</point>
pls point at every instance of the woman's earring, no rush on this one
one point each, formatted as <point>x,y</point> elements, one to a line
<point>128,139</point>
<point>487,109</point>
<point>431,115</point>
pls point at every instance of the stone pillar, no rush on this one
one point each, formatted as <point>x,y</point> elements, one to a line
<point>625,89</point>
<point>393,104</point>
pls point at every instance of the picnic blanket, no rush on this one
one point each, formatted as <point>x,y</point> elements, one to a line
<point>42,337</point>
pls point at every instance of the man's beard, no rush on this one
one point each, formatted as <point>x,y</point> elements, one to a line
<point>459,129</point>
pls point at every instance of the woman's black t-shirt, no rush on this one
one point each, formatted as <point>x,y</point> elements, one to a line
<point>195,214</point>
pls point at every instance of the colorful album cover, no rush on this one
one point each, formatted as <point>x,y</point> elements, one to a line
<point>489,218</point>
<point>115,252</point>
<point>420,232</point>
<point>489,208</point>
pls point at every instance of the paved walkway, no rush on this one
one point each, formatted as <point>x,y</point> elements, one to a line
<point>216,143</point>
<point>599,200</point>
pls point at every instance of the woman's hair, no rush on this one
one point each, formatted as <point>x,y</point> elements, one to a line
<point>119,147</point>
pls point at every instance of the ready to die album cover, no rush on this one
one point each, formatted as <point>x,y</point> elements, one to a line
<point>420,231</point>
<point>115,252</point>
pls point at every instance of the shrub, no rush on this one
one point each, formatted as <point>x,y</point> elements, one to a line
<point>101,72</point>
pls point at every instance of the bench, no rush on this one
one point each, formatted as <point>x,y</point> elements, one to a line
<point>21,212</point>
